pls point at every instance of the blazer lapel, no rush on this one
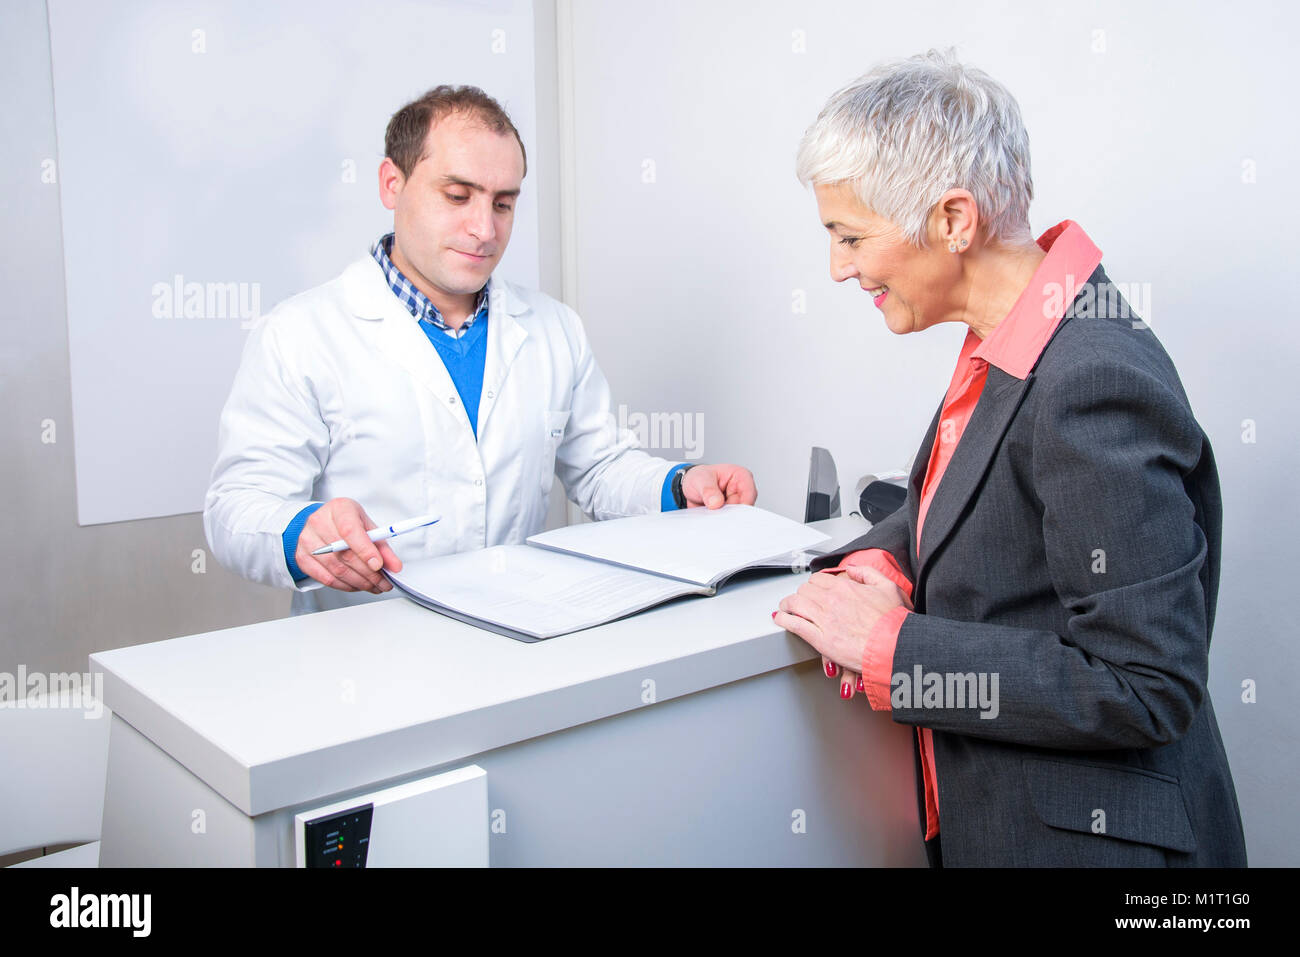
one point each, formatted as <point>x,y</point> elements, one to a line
<point>980,439</point>
<point>997,406</point>
<point>993,414</point>
<point>917,479</point>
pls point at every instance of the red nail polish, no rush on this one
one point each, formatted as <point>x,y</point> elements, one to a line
<point>773,615</point>
<point>861,686</point>
<point>830,669</point>
<point>844,690</point>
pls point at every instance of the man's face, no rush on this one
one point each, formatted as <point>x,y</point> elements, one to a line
<point>453,214</point>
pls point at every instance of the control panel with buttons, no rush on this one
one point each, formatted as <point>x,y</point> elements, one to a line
<point>340,840</point>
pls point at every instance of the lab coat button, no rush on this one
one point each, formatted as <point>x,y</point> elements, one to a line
<point>478,481</point>
<point>452,400</point>
<point>491,395</point>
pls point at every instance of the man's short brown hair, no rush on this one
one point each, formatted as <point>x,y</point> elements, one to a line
<point>408,130</point>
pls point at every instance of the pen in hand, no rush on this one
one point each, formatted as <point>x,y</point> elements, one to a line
<point>382,533</point>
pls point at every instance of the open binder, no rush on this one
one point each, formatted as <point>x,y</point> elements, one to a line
<point>581,576</point>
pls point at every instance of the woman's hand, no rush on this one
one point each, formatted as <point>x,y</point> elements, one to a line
<point>850,681</point>
<point>835,613</point>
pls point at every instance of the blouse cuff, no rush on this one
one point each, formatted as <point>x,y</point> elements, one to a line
<point>878,657</point>
<point>883,562</point>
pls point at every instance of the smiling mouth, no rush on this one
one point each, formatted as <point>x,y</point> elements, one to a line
<point>878,291</point>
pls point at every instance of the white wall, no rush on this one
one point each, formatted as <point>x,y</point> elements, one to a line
<point>213,160</point>
<point>1140,118</point>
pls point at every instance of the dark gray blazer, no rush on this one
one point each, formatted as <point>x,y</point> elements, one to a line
<point>1072,548</point>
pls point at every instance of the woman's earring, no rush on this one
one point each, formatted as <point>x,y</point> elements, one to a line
<point>963,244</point>
<point>952,247</point>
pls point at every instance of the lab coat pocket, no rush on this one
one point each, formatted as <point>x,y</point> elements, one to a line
<point>555,422</point>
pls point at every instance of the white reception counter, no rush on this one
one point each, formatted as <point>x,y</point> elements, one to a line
<point>694,733</point>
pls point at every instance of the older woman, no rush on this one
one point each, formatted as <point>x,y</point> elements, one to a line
<point>1040,608</point>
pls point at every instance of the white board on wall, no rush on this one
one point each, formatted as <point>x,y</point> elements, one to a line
<point>233,146</point>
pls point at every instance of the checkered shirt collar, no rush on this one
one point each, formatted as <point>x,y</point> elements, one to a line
<point>416,302</point>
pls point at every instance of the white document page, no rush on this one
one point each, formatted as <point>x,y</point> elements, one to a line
<point>533,591</point>
<point>697,545</point>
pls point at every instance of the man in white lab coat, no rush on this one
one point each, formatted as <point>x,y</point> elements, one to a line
<point>418,383</point>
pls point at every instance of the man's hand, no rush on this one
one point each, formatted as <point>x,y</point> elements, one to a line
<point>718,485</point>
<point>357,568</point>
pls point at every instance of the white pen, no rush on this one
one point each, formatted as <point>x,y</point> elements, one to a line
<point>380,534</point>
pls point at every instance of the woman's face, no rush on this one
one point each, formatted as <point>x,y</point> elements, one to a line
<point>913,288</point>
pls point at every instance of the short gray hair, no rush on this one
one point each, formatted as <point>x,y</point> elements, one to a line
<point>912,129</point>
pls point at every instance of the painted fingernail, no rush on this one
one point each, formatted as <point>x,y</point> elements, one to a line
<point>774,614</point>
<point>844,690</point>
<point>861,686</point>
<point>830,669</point>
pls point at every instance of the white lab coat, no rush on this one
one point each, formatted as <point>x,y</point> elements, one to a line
<point>339,393</point>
